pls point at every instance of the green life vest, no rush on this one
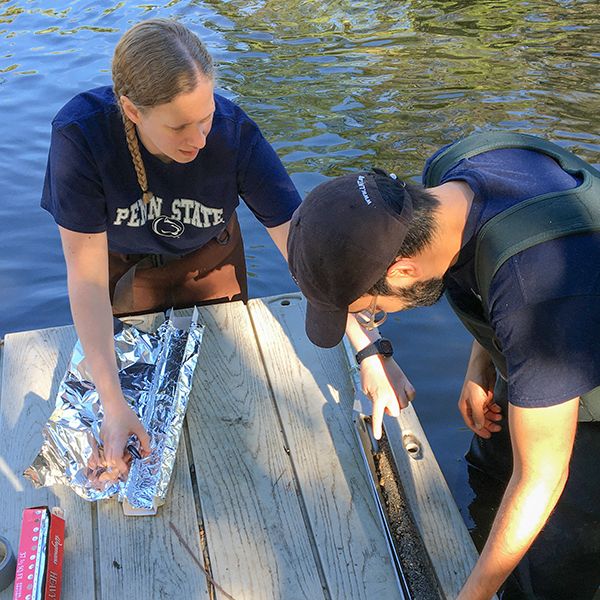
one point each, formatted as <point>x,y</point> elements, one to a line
<point>533,221</point>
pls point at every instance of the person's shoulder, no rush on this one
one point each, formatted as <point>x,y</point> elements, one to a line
<point>96,103</point>
<point>228,110</point>
<point>430,160</point>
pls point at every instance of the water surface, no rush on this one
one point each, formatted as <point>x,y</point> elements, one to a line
<point>335,86</point>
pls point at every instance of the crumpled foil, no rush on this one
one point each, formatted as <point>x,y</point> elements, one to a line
<point>156,372</point>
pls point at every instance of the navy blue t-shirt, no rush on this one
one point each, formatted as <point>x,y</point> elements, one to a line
<point>91,185</point>
<point>545,301</point>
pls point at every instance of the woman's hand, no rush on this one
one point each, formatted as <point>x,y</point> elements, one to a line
<point>387,386</point>
<point>118,424</point>
<point>476,403</point>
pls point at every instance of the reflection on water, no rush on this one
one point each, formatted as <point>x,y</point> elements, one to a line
<point>335,86</point>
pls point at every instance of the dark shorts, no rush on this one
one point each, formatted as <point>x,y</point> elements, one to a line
<point>563,562</point>
<point>143,283</point>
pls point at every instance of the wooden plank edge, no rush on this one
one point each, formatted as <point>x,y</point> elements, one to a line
<point>432,506</point>
<point>146,322</point>
<point>311,495</point>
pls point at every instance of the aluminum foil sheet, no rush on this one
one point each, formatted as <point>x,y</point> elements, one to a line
<point>156,372</point>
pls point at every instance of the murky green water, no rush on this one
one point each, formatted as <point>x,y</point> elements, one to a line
<point>335,86</point>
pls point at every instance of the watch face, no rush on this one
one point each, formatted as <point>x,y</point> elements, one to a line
<point>385,347</point>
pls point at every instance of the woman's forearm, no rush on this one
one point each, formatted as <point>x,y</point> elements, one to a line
<point>92,315</point>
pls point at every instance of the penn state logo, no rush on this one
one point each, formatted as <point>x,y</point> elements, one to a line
<point>168,227</point>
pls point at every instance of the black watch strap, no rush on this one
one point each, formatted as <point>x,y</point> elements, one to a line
<point>381,346</point>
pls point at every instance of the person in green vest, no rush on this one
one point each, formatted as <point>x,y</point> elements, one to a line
<point>508,226</point>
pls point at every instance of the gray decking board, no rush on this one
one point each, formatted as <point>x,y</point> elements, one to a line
<point>34,363</point>
<point>314,398</point>
<point>150,556</point>
<point>257,539</point>
<point>281,492</point>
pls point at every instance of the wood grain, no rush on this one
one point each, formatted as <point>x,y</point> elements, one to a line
<point>282,492</point>
<point>157,556</point>
<point>314,398</point>
<point>436,516</point>
<point>257,539</point>
<point>33,365</point>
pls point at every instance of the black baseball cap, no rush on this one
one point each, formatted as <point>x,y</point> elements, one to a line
<point>342,239</point>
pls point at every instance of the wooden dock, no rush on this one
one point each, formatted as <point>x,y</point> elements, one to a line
<point>269,496</point>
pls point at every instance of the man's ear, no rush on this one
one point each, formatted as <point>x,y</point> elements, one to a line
<point>132,112</point>
<point>403,269</point>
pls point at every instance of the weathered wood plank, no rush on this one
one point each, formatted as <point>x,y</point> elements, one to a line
<point>435,513</point>
<point>314,398</point>
<point>153,557</point>
<point>34,364</point>
<point>160,554</point>
<point>275,529</point>
<point>257,539</point>
<point>432,506</point>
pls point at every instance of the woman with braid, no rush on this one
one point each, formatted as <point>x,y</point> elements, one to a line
<point>143,180</point>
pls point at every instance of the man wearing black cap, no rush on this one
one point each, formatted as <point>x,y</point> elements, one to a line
<point>508,226</point>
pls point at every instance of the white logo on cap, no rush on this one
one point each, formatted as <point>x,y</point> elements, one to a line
<point>363,188</point>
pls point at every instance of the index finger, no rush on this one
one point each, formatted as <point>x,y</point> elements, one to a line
<point>377,417</point>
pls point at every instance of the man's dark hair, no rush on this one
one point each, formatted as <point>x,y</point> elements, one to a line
<point>422,225</point>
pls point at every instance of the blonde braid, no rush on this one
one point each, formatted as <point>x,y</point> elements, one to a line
<point>138,163</point>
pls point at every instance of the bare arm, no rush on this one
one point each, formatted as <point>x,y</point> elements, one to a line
<point>86,256</point>
<point>542,442</point>
<point>381,378</point>
<point>279,235</point>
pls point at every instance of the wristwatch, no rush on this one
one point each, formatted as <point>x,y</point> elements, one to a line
<point>380,346</point>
